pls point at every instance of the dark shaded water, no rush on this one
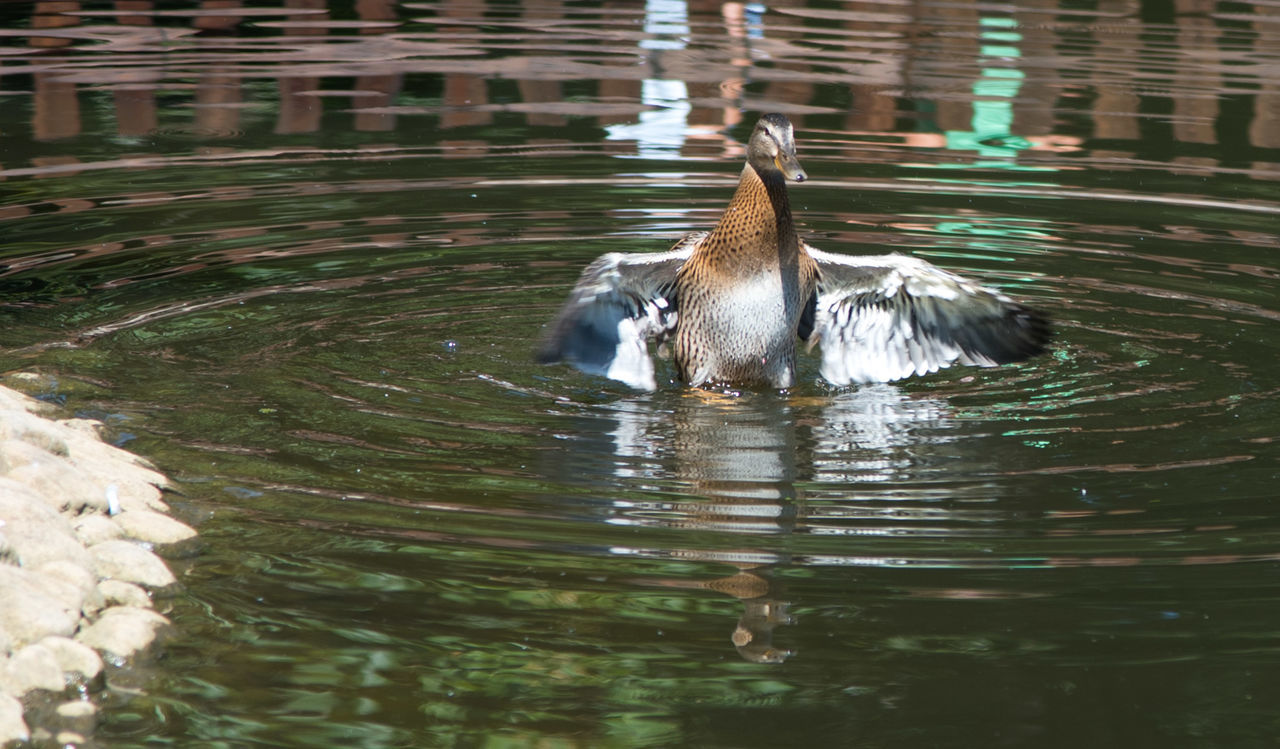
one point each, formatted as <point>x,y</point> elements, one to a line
<point>299,256</point>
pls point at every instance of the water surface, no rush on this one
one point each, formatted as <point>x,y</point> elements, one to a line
<point>299,257</point>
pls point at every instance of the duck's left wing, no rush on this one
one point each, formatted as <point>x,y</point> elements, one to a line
<point>620,302</point>
<point>884,317</point>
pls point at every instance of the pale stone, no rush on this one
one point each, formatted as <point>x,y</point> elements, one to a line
<point>74,575</point>
<point>28,613</point>
<point>8,554</point>
<point>122,630</point>
<point>17,452</point>
<point>87,427</point>
<point>94,529</point>
<point>33,667</point>
<point>15,490</point>
<point>35,531</point>
<point>74,446</point>
<point>51,478</point>
<point>140,496</point>
<point>77,709</point>
<point>153,527</point>
<point>77,720</point>
<point>120,593</point>
<point>57,580</point>
<point>125,468</point>
<point>21,424</point>
<point>58,484</point>
<point>10,398</point>
<point>12,726</point>
<point>124,560</point>
<point>78,439</point>
<point>74,657</point>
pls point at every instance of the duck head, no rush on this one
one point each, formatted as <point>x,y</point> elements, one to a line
<point>772,148</point>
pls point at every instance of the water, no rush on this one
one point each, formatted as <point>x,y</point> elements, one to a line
<point>299,257</point>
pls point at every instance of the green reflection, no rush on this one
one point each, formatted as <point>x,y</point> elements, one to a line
<point>991,133</point>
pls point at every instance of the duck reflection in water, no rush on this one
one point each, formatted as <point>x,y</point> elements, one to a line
<point>732,302</point>
<point>743,461</point>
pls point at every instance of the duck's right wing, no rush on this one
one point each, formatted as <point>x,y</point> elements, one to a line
<point>619,303</point>
<point>880,318</point>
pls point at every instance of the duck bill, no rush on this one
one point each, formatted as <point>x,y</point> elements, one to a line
<point>789,166</point>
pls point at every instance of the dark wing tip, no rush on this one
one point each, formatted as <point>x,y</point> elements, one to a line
<point>548,352</point>
<point>580,338</point>
<point>1040,331</point>
<point>1020,333</point>
<point>550,348</point>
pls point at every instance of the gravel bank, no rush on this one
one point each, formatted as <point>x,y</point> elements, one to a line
<point>78,520</point>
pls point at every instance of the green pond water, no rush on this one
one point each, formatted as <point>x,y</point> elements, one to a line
<point>299,257</point>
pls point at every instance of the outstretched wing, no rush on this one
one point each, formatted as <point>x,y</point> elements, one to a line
<point>884,317</point>
<point>619,303</point>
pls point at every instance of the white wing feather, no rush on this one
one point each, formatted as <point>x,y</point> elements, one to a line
<point>620,302</point>
<point>880,318</point>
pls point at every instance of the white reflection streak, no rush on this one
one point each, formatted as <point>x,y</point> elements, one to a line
<point>862,436</point>
<point>666,18</point>
<point>860,428</point>
<point>660,132</point>
<point>634,442</point>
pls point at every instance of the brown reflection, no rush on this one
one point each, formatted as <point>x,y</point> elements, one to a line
<point>464,93</point>
<point>136,110</point>
<point>1115,110</point>
<point>1264,128</point>
<point>1195,113</point>
<point>219,15</point>
<point>218,100</point>
<point>57,107</point>
<point>668,80</point>
<point>129,19</point>
<point>377,91</point>
<point>299,111</point>
<point>52,14</point>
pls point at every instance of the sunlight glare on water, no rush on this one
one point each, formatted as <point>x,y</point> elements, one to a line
<point>299,257</point>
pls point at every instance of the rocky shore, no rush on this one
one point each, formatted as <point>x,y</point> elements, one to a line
<point>79,520</point>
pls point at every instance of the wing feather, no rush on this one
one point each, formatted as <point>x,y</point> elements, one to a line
<point>619,303</point>
<point>880,318</point>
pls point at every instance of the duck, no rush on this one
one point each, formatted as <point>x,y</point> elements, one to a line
<point>732,304</point>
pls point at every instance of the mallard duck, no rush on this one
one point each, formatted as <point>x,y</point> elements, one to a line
<point>732,302</point>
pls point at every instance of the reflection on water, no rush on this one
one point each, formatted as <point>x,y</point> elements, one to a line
<point>738,460</point>
<point>299,252</point>
<point>753,448</point>
<point>967,87</point>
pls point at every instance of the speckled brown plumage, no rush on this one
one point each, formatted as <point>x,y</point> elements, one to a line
<point>742,292</point>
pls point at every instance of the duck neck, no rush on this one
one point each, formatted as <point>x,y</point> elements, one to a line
<point>757,225</point>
